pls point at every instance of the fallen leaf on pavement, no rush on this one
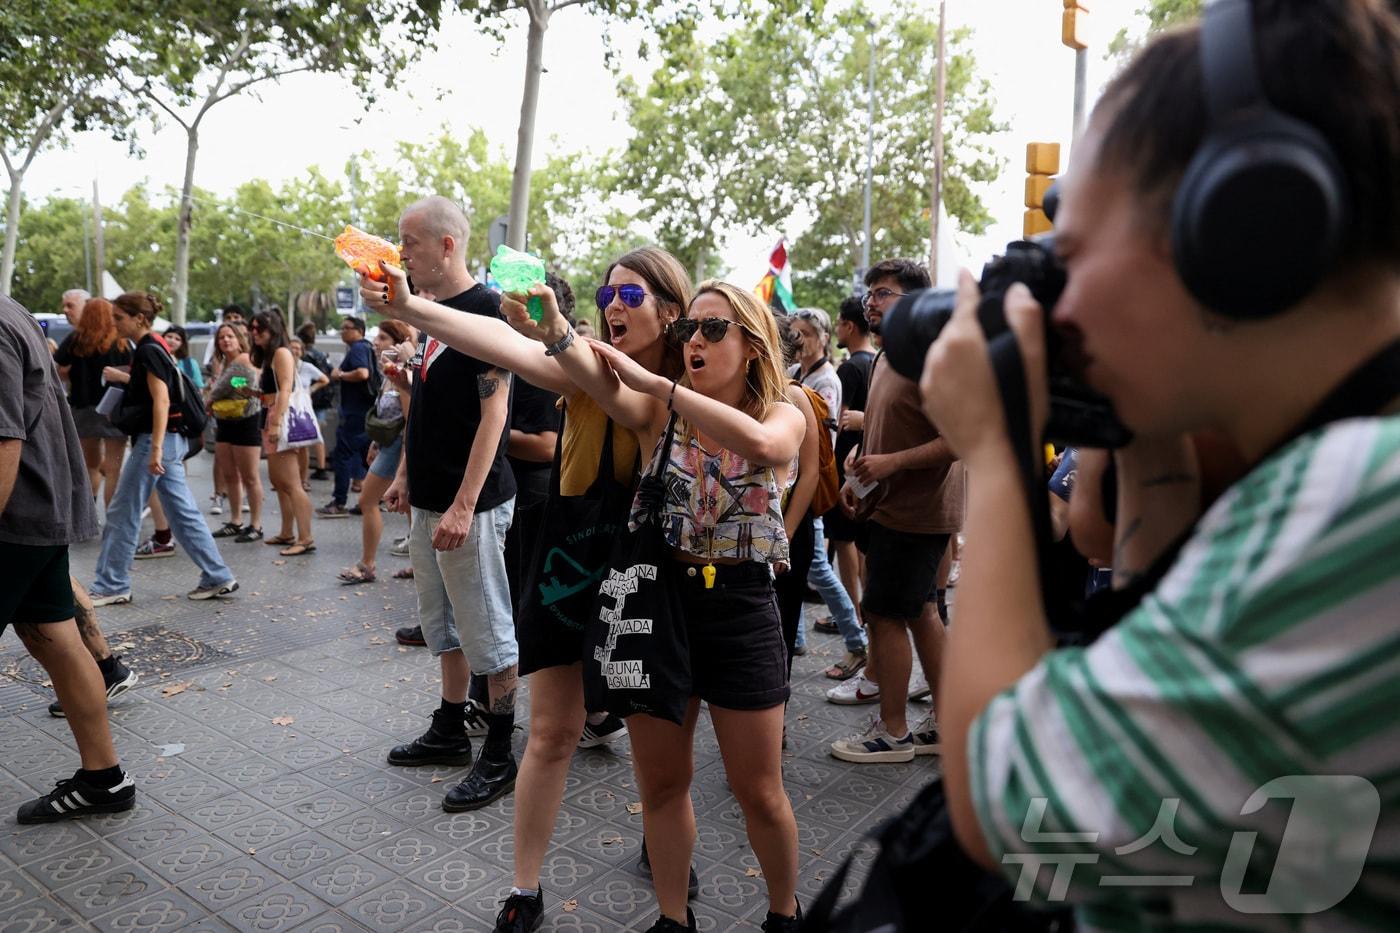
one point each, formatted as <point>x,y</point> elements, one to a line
<point>172,689</point>
<point>435,780</point>
<point>283,720</point>
<point>570,905</point>
<point>277,563</point>
<point>612,840</point>
<point>634,808</point>
<point>753,873</point>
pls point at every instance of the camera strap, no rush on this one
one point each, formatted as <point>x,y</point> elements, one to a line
<point>1010,372</point>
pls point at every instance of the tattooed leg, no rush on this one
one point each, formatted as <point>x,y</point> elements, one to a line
<point>86,617</point>
<point>501,686</point>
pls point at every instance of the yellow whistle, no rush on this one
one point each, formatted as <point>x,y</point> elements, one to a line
<point>708,571</point>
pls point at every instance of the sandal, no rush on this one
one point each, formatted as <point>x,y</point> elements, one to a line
<point>403,573</point>
<point>356,574</point>
<point>848,666</point>
<point>280,540</point>
<point>298,549</point>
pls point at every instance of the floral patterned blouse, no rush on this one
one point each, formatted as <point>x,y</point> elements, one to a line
<point>718,505</point>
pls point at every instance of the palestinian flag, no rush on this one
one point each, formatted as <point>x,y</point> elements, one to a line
<point>775,288</point>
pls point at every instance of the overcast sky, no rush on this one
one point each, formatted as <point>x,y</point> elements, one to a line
<point>471,80</point>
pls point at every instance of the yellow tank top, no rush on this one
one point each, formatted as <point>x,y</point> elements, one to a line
<point>584,423</point>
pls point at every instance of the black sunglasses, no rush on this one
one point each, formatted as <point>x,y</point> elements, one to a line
<point>713,329</point>
<point>632,295</point>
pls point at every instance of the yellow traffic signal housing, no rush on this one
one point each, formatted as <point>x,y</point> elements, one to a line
<point>1035,222</point>
<point>1042,162</point>
<point>1042,158</point>
<point>1072,26</point>
<point>1036,186</point>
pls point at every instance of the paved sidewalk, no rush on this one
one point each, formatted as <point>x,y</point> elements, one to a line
<point>257,739</point>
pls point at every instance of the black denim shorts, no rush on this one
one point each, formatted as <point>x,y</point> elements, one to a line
<point>901,571</point>
<point>737,656</point>
<point>38,589</point>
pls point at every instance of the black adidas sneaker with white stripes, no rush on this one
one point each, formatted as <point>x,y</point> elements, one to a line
<point>76,797</point>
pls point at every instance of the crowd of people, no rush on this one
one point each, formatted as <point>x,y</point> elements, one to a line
<point>709,462</point>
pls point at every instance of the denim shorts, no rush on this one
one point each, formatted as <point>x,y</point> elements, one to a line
<point>386,462</point>
<point>737,656</point>
<point>901,571</point>
<point>464,594</point>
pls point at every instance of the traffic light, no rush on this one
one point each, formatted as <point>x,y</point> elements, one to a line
<point>1042,163</point>
<point>1072,25</point>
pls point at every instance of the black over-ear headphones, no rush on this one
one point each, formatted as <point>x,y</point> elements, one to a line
<point>1260,214</point>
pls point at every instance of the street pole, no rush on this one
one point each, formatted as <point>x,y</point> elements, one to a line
<point>97,242</point>
<point>1081,66</point>
<point>941,93</point>
<point>87,253</point>
<point>869,150</point>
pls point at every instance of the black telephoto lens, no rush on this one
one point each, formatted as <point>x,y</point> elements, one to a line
<point>1079,416</point>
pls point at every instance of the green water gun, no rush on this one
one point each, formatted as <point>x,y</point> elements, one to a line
<point>517,273</point>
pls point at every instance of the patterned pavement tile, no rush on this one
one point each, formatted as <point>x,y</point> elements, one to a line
<point>97,894</point>
<point>261,826</point>
<point>345,878</point>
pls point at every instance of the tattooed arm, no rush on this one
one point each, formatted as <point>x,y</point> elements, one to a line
<point>1159,494</point>
<point>493,387</point>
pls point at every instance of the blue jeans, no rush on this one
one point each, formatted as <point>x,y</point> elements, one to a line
<point>123,528</point>
<point>825,581</point>
<point>351,448</point>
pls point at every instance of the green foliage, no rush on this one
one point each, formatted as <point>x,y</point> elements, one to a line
<point>744,130</point>
<point>247,248</point>
<point>1161,14</point>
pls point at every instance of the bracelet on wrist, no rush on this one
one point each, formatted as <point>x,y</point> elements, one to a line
<point>554,349</point>
<point>671,399</point>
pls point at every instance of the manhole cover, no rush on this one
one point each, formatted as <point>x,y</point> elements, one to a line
<point>152,647</point>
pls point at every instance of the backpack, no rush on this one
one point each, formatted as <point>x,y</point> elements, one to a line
<point>324,397</point>
<point>186,416</point>
<point>828,491</point>
<point>376,378</point>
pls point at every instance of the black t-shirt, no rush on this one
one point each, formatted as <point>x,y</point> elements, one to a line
<point>151,356</point>
<point>534,411</point>
<point>854,374</point>
<point>85,387</point>
<point>445,415</point>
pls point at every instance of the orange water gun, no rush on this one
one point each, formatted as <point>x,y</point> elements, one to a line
<point>363,251</point>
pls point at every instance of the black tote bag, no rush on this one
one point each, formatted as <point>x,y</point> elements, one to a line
<point>569,557</point>
<point>638,658</point>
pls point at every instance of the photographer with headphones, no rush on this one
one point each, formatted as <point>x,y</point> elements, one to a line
<point>1230,226</point>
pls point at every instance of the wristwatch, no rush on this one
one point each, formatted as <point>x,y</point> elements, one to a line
<point>566,341</point>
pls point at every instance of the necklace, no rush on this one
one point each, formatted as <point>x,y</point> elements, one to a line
<point>698,458</point>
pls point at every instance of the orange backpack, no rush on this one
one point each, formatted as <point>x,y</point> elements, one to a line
<point>828,491</point>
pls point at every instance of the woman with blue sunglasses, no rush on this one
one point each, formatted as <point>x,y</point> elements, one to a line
<point>596,468</point>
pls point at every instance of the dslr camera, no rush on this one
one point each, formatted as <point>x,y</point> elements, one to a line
<point>1079,416</point>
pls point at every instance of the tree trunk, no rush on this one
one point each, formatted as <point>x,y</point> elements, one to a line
<point>182,230</point>
<point>7,259</point>
<point>525,135</point>
<point>701,261</point>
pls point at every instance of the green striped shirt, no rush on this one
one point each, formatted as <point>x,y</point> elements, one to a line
<point>1270,649</point>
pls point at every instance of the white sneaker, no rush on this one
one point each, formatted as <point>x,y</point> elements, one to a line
<point>112,599</point>
<point>400,548</point>
<point>857,691</point>
<point>145,513</point>
<point>874,745</point>
<point>925,734</point>
<point>217,508</point>
<point>918,688</point>
<point>245,508</point>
